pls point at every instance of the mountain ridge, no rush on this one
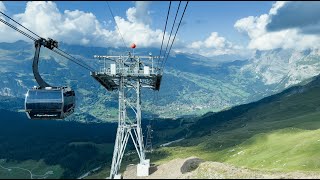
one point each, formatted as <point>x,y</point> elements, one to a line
<point>191,85</point>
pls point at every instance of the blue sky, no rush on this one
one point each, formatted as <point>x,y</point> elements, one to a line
<point>209,28</point>
<point>200,20</point>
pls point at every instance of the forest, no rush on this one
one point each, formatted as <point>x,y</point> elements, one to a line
<point>76,147</point>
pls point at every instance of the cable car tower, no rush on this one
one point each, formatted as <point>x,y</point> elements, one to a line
<point>148,139</point>
<point>127,75</point>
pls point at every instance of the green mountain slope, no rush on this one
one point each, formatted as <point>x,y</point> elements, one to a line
<point>280,132</point>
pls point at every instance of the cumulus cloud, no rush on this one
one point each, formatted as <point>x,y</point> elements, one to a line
<point>41,17</point>
<point>45,19</point>
<point>139,33</point>
<point>285,35</point>
<point>136,28</point>
<point>214,45</point>
<point>78,27</point>
<point>214,42</point>
<point>139,13</point>
<point>7,34</point>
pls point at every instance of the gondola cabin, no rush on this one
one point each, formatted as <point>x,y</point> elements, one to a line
<point>49,103</point>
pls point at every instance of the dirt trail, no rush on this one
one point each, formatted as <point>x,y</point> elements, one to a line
<point>194,168</point>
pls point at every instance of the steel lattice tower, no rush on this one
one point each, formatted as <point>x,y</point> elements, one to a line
<point>127,75</point>
<point>148,139</point>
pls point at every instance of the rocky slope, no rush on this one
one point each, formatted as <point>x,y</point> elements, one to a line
<point>195,168</point>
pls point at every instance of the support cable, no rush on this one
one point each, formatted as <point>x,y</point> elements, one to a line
<point>75,59</point>
<point>19,24</point>
<point>174,23</point>
<point>175,34</point>
<point>17,29</point>
<point>64,54</point>
<point>164,32</point>
<point>117,25</point>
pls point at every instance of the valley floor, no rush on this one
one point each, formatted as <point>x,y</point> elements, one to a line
<point>195,168</point>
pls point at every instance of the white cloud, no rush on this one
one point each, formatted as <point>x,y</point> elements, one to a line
<point>214,41</point>
<point>137,27</point>
<point>2,7</point>
<point>41,17</point>
<point>7,34</point>
<point>215,45</point>
<point>262,39</point>
<point>78,27</point>
<point>139,13</point>
<point>139,33</point>
<point>277,5</point>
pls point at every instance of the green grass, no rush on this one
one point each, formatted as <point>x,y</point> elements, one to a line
<point>36,167</point>
<point>285,150</point>
<point>280,135</point>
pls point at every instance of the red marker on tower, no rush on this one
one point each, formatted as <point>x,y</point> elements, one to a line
<point>133,45</point>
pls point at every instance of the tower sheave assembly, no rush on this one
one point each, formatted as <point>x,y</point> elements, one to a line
<point>127,75</point>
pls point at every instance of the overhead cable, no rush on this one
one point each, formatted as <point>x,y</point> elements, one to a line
<point>176,33</point>
<point>164,32</point>
<point>19,24</point>
<point>17,29</point>
<point>174,23</point>
<point>117,25</point>
<point>62,53</point>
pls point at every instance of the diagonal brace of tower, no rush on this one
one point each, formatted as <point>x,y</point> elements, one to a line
<point>127,75</point>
